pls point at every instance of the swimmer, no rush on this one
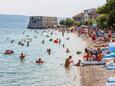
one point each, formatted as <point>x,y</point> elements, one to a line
<point>22,44</point>
<point>12,41</point>
<point>28,43</point>
<point>7,38</point>
<point>43,41</point>
<point>63,45</point>
<point>59,41</point>
<point>67,50</point>
<point>22,56</point>
<point>39,61</point>
<point>49,51</point>
<point>68,61</point>
<point>78,64</point>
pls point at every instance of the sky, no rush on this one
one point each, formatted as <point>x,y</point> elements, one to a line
<point>58,8</point>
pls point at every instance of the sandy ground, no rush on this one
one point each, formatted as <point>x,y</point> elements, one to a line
<point>94,75</point>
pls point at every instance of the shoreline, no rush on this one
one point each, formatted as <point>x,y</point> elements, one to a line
<point>94,75</point>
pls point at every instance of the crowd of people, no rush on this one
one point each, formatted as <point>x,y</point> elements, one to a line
<point>90,54</point>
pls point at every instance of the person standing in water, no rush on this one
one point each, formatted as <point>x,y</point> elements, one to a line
<point>78,64</point>
<point>43,41</point>
<point>59,41</point>
<point>67,50</point>
<point>28,43</point>
<point>68,61</point>
<point>63,45</point>
<point>22,56</point>
<point>49,51</point>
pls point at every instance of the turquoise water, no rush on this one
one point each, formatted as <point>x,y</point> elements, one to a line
<point>52,73</point>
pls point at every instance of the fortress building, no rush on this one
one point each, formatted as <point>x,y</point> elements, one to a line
<point>42,22</point>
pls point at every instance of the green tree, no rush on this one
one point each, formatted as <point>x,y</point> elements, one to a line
<point>102,21</point>
<point>88,22</point>
<point>77,23</point>
<point>109,10</point>
<point>111,19</point>
<point>62,22</point>
<point>69,22</point>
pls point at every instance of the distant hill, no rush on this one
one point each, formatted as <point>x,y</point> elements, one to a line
<point>13,21</point>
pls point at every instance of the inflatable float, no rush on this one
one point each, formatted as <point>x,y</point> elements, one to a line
<point>9,52</point>
<point>55,41</point>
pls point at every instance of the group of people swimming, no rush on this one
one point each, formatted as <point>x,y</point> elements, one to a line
<point>39,60</point>
<point>22,56</point>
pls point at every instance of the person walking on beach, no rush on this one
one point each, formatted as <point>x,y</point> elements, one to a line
<point>68,61</point>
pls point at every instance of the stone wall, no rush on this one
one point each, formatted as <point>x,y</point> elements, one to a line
<point>42,22</point>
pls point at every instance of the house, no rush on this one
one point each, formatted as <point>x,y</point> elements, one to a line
<point>90,14</point>
<point>79,17</point>
<point>86,15</point>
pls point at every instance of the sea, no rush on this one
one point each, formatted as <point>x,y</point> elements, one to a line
<point>14,72</point>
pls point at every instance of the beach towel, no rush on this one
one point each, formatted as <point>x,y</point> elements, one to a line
<point>110,84</point>
<point>110,66</point>
<point>111,55</point>
<point>111,80</point>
